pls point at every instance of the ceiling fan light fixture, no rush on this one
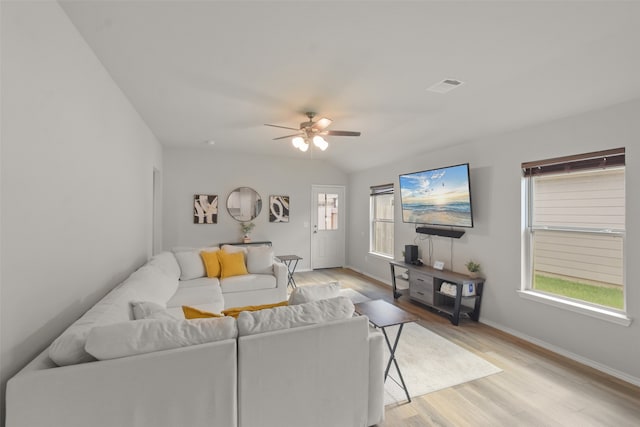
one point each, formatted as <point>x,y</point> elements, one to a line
<point>323,123</point>
<point>311,131</point>
<point>320,142</point>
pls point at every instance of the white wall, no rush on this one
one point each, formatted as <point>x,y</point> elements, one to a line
<point>496,238</point>
<point>77,166</point>
<point>207,171</point>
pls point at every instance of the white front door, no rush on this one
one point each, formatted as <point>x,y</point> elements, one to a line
<point>327,226</point>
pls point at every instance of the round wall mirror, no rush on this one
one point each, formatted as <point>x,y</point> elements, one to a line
<point>244,204</point>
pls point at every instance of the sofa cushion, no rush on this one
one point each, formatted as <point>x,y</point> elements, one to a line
<point>294,316</point>
<point>232,264</point>
<point>150,310</point>
<point>167,263</point>
<point>211,263</point>
<point>68,348</point>
<point>198,295</point>
<point>146,336</point>
<point>248,282</point>
<point>201,281</point>
<point>191,264</point>
<point>260,260</point>
<point>150,284</point>
<point>304,294</point>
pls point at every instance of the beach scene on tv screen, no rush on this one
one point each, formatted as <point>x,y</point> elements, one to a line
<point>439,197</point>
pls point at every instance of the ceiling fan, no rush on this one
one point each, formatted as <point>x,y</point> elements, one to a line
<point>312,131</point>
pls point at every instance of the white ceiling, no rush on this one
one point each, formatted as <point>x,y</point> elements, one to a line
<point>201,70</point>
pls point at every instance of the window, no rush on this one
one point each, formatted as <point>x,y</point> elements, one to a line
<point>327,211</point>
<point>575,228</point>
<point>381,215</point>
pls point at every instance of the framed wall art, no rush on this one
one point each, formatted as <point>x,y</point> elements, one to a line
<point>278,208</point>
<point>205,209</point>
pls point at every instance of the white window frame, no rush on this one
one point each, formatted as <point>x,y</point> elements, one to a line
<point>377,191</point>
<point>527,292</point>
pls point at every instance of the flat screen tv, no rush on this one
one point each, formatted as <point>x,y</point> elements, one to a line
<point>437,197</point>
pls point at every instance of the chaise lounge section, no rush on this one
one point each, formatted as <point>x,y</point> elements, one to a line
<point>310,364</point>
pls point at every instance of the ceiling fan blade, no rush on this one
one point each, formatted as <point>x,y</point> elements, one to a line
<point>282,127</point>
<point>288,136</point>
<point>322,123</point>
<point>342,133</point>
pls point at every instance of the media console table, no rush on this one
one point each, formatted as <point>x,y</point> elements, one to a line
<point>424,287</point>
<point>252,243</point>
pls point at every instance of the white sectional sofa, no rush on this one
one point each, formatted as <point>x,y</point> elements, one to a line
<point>311,364</point>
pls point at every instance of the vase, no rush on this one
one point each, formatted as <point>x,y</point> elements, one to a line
<point>474,274</point>
<point>246,239</point>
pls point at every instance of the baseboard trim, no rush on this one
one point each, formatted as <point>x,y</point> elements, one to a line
<point>559,350</point>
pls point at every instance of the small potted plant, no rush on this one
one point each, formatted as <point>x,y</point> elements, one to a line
<point>246,228</point>
<point>474,269</point>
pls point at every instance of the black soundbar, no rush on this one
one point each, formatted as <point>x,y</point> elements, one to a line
<point>456,234</point>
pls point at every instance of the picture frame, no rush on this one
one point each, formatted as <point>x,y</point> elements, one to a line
<point>279,208</point>
<point>205,209</point>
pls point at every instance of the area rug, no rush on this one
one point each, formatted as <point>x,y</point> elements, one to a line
<point>429,362</point>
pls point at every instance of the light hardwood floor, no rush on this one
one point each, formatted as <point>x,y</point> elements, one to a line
<point>536,388</point>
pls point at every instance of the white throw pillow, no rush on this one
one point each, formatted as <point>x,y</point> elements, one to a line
<point>150,310</point>
<point>142,309</point>
<point>191,264</point>
<point>163,315</point>
<point>294,316</point>
<point>146,336</point>
<point>260,260</point>
<point>232,249</point>
<point>304,294</point>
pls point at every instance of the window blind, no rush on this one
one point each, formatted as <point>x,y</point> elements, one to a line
<point>595,160</point>
<point>380,190</point>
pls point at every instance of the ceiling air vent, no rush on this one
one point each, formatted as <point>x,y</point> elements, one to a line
<point>445,86</point>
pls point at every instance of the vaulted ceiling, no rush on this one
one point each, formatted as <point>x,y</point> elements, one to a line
<point>218,70</point>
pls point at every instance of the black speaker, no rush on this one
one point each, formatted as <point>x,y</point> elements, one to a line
<point>410,254</point>
<point>455,234</point>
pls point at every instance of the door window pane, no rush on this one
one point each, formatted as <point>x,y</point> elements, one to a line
<point>327,211</point>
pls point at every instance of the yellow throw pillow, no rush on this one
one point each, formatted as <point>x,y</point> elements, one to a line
<point>232,264</point>
<point>194,313</point>
<point>211,263</point>
<point>234,311</point>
